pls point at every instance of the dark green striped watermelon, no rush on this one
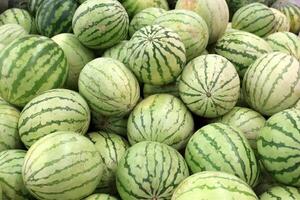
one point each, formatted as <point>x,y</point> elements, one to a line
<point>33,6</point>
<point>150,170</point>
<point>29,66</point>
<point>117,52</point>
<point>213,185</point>
<point>100,197</point>
<point>278,146</point>
<point>282,23</point>
<point>100,24</point>
<point>10,32</point>
<point>62,165</point>
<point>281,193</point>
<point>55,16</point>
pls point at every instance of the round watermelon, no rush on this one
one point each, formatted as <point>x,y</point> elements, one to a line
<point>281,192</point>
<point>282,23</point>
<point>10,32</point>
<point>100,197</point>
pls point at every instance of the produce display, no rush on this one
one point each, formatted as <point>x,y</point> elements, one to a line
<point>149,100</point>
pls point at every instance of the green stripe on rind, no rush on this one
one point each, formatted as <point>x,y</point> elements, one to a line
<point>161,118</point>
<point>213,185</point>
<point>220,147</point>
<point>10,32</point>
<point>209,86</point>
<point>271,83</point>
<point>156,55</point>
<point>278,146</point>
<point>150,170</point>
<point>100,197</point>
<point>282,22</point>
<point>106,29</point>
<point>242,49</point>
<point>54,17</point>
<point>33,6</point>
<point>292,12</point>
<point>54,110</point>
<point>26,63</point>
<point>52,171</point>
<point>281,192</point>
<point>11,162</point>
<point>109,87</point>
<point>117,52</point>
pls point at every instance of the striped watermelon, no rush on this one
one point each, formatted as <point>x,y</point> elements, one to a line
<point>117,52</point>
<point>100,24</point>
<point>297,105</point>
<point>171,88</point>
<point>245,119</point>
<point>255,18</point>
<point>77,55</point>
<point>161,118</point>
<point>54,17</point>
<point>190,27</point>
<point>156,55</point>
<point>11,162</point>
<point>18,16</point>
<point>221,147</point>
<point>213,185</point>
<point>272,83</point>
<point>9,137</point>
<point>281,21</point>
<point>111,148</point>
<point>109,87</point>
<point>242,49</point>
<point>133,7</point>
<point>53,110</point>
<point>150,170</point>
<point>62,165</point>
<point>100,197</point>
<point>144,18</point>
<point>10,32</point>
<point>33,6</point>
<point>209,86</point>
<point>285,42</point>
<point>278,146</point>
<point>281,192</point>
<point>215,13</point>
<point>26,63</point>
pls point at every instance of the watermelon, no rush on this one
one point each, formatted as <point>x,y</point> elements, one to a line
<point>133,7</point>
<point>221,147</point>
<point>18,16</point>
<point>11,162</point>
<point>161,118</point>
<point>26,63</point>
<point>111,148</point>
<point>117,52</point>
<point>281,21</point>
<point>10,32</point>
<point>285,42</point>
<point>17,4</point>
<point>242,49</point>
<point>272,83</point>
<point>100,197</point>
<point>248,121</point>
<point>266,181</point>
<point>278,146</point>
<point>209,86</point>
<point>77,55</point>
<point>156,55</point>
<point>190,27</point>
<point>255,18</point>
<point>109,87</point>
<point>215,13</point>
<point>62,165</point>
<point>100,24</point>
<point>150,170</point>
<point>144,18</point>
<point>171,88</point>
<point>54,17</point>
<point>281,192</point>
<point>213,185</point>
<point>53,110</point>
<point>33,6</point>
<point>9,137</point>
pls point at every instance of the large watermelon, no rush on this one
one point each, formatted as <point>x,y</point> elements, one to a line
<point>54,110</point>
<point>109,87</point>
<point>281,21</point>
<point>30,65</point>
<point>209,86</point>
<point>150,170</point>
<point>62,165</point>
<point>190,27</point>
<point>10,32</point>
<point>117,52</point>
<point>100,197</point>
<point>156,55</point>
<point>161,118</point>
<point>100,24</point>
<point>272,83</point>
<point>278,146</point>
<point>77,55</point>
<point>281,193</point>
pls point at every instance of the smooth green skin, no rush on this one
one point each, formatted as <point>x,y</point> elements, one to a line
<point>77,55</point>
<point>282,22</point>
<point>213,185</point>
<point>100,197</point>
<point>117,52</point>
<point>281,192</point>
<point>10,32</point>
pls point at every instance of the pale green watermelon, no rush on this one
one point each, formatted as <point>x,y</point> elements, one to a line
<point>282,23</point>
<point>10,32</point>
<point>281,192</point>
<point>100,197</point>
<point>117,52</point>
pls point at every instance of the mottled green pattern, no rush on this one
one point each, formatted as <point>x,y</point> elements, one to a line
<point>117,52</point>
<point>281,193</point>
<point>10,32</point>
<point>100,197</point>
<point>281,21</point>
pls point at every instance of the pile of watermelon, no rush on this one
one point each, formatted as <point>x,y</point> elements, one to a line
<point>150,100</point>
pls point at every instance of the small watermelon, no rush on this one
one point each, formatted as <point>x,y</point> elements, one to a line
<point>281,21</point>
<point>117,52</point>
